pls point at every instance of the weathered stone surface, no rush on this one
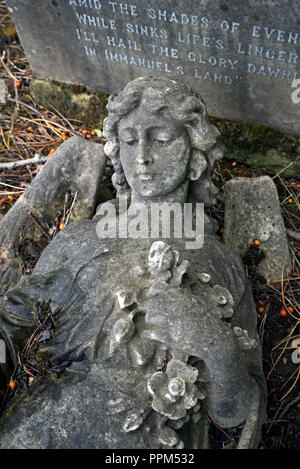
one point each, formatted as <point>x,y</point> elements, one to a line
<point>150,333</point>
<point>253,212</point>
<point>241,56</point>
<point>76,166</point>
<point>74,102</point>
<point>97,398</point>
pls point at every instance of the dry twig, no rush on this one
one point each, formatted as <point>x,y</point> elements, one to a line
<point>16,164</point>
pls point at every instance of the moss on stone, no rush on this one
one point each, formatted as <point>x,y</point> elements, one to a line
<point>272,160</point>
<point>43,357</point>
<point>262,147</point>
<point>10,32</point>
<point>72,101</point>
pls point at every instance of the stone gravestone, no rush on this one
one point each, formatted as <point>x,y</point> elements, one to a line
<point>243,57</point>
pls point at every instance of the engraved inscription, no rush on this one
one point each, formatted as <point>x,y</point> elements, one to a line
<point>242,57</point>
<point>178,42</point>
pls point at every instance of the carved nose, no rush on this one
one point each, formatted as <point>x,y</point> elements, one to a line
<point>143,153</point>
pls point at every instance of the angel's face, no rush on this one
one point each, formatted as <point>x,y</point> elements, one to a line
<point>154,152</point>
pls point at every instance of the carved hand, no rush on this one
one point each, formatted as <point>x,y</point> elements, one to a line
<point>192,326</point>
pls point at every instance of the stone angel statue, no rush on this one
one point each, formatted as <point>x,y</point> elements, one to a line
<point>154,339</point>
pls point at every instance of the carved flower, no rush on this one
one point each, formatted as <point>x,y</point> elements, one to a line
<point>222,296</point>
<point>174,391</point>
<point>224,300</point>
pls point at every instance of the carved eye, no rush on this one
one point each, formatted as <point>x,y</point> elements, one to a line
<point>160,142</point>
<point>131,143</point>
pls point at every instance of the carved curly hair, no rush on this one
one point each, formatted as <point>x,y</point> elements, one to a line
<point>172,98</point>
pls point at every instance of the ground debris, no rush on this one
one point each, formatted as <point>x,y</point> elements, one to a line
<point>33,365</point>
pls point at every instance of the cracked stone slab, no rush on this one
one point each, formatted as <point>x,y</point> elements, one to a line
<point>253,212</point>
<point>77,166</point>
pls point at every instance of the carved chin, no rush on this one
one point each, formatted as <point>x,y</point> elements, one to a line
<point>148,189</point>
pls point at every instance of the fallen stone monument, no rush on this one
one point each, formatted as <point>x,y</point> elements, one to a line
<point>138,337</point>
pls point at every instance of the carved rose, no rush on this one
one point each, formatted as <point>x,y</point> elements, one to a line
<point>174,391</point>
